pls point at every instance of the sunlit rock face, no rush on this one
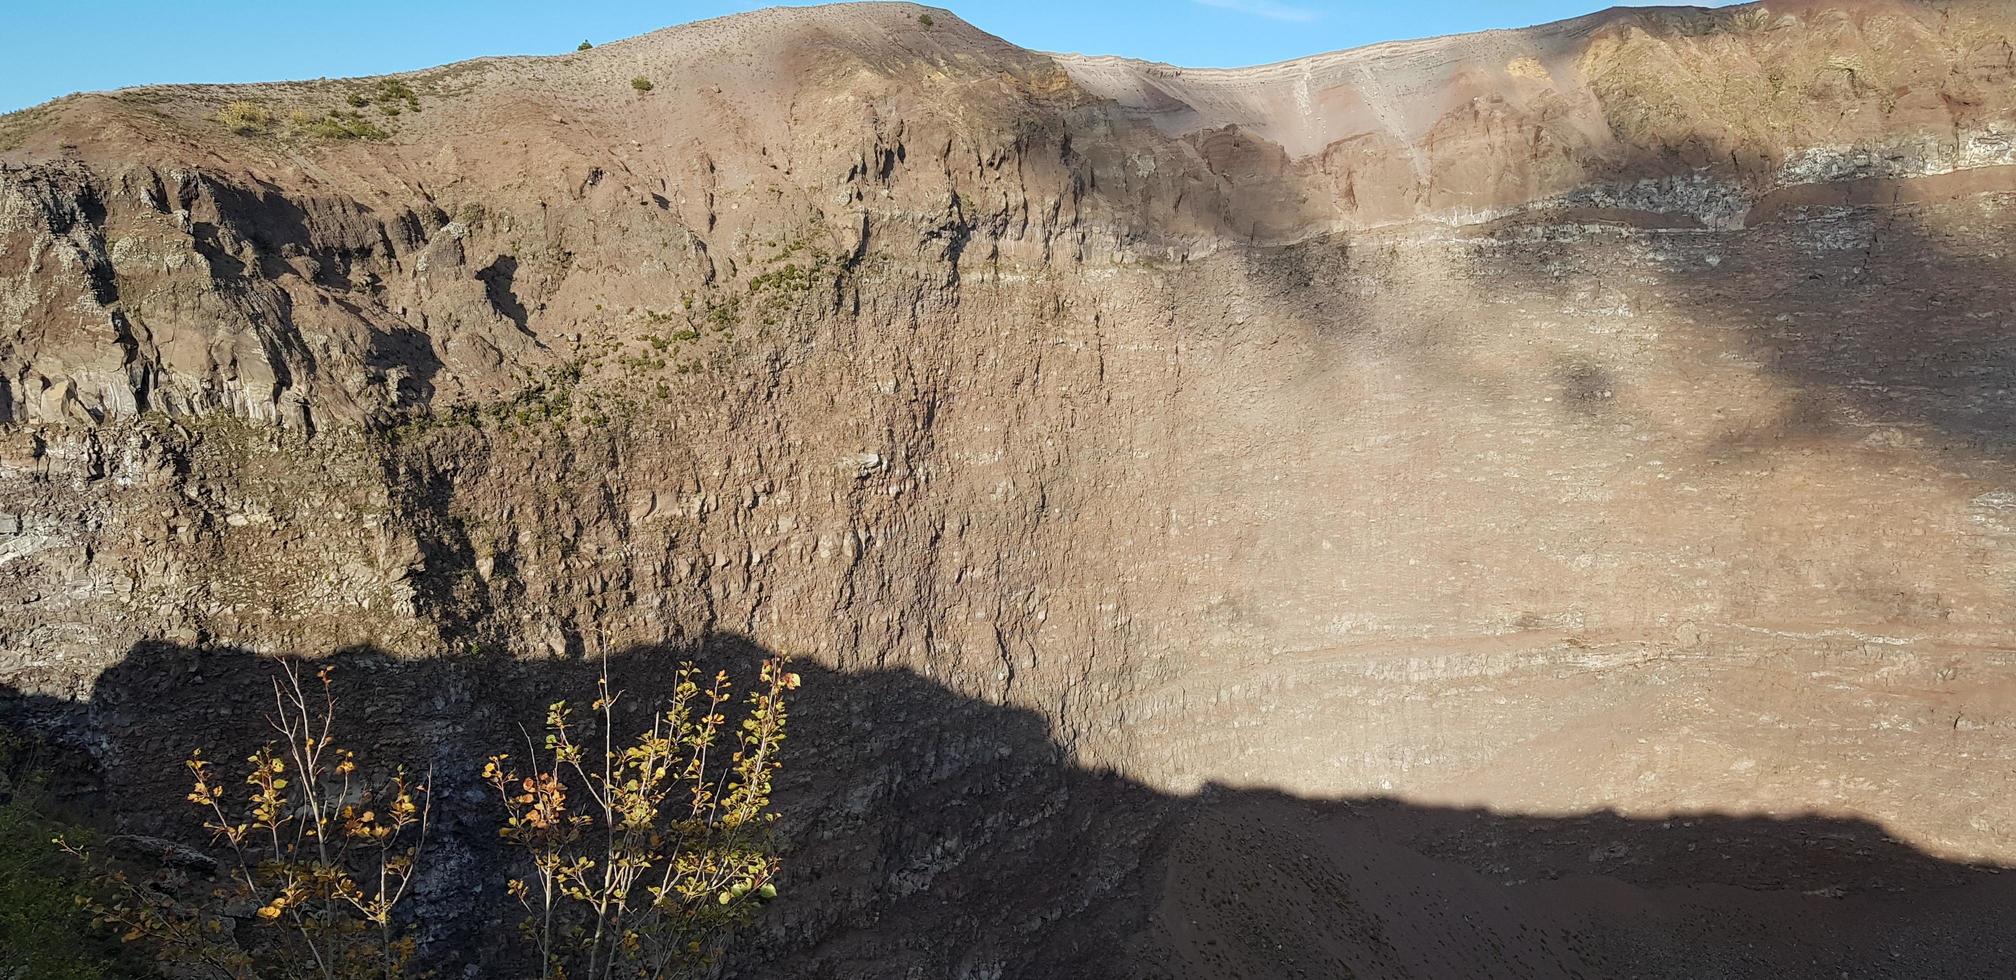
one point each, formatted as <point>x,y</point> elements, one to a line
<point>1591,441</point>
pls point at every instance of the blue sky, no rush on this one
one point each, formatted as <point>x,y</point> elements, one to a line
<point>53,47</point>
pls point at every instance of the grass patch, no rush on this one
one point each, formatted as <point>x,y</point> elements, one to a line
<point>43,932</point>
<point>16,127</point>
<point>246,118</point>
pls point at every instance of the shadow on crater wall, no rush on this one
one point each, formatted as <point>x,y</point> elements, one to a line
<point>1902,317</point>
<point>936,835</point>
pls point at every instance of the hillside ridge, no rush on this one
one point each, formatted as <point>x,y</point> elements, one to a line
<point>1526,460</point>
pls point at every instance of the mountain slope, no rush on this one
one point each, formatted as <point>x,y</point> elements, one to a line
<point>1603,422</point>
<point>794,120</point>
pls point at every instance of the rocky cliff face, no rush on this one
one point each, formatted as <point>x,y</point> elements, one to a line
<point>1604,417</point>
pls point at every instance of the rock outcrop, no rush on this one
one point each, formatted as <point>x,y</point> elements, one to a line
<point>1609,417</point>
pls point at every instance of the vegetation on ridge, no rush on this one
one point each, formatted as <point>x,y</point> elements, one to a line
<point>617,377</point>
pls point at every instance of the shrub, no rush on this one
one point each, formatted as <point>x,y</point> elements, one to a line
<point>246,118</point>
<point>321,854</point>
<point>925,19</point>
<point>336,125</point>
<point>584,46</point>
<point>641,84</point>
<point>644,853</point>
<point>392,93</point>
<point>641,855</point>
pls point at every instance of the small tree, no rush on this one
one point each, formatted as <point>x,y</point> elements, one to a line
<point>584,46</point>
<point>316,857</point>
<point>645,853</point>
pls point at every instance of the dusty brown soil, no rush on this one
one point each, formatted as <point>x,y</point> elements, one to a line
<point>1527,504</point>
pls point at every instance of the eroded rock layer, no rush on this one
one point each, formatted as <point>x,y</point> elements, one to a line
<point>1591,441</point>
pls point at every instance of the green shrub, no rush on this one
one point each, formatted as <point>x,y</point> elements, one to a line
<point>390,95</point>
<point>394,90</point>
<point>336,125</point>
<point>925,19</point>
<point>641,84</point>
<point>584,46</point>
